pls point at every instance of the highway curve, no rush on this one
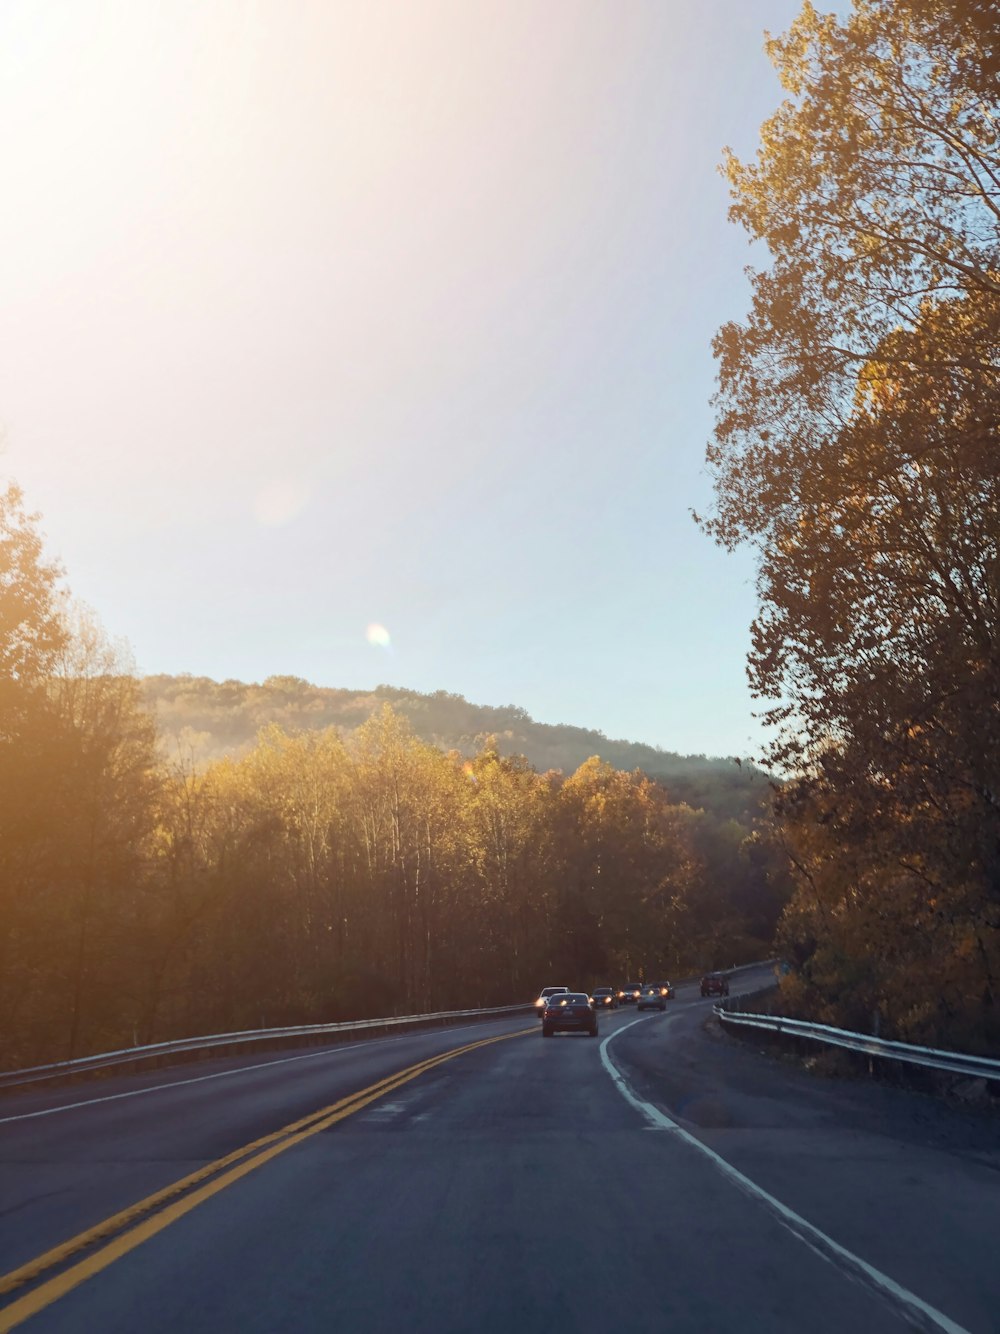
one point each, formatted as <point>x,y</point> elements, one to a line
<point>663,1177</point>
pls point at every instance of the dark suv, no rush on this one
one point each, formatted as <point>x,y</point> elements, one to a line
<point>714,984</point>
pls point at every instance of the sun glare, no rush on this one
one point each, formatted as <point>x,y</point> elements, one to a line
<point>378,636</point>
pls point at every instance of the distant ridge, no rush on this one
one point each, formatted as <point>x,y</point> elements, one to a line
<point>211,719</point>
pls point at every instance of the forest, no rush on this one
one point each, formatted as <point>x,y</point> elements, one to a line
<point>856,452</point>
<point>321,873</point>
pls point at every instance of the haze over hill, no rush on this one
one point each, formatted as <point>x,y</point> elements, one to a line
<point>209,719</point>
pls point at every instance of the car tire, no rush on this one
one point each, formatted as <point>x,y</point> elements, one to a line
<point>546,1031</point>
<point>592,1032</point>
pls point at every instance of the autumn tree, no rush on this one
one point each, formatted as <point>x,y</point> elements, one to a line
<point>856,450</point>
<point>183,893</point>
<point>410,810</point>
<point>863,385</point>
<point>32,635</point>
<point>74,844</point>
<point>31,628</point>
<point>102,801</point>
<point>511,830</point>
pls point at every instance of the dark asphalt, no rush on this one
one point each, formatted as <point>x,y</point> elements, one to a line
<point>516,1189</point>
<point>120,1139</point>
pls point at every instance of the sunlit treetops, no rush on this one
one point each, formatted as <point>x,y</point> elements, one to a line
<point>210,719</point>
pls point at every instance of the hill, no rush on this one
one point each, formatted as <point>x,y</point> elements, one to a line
<point>210,719</point>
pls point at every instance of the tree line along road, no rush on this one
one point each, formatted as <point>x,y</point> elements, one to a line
<point>480,1179</point>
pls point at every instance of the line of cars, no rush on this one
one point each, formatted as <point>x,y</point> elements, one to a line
<point>562,1010</point>
<point>640,994</point>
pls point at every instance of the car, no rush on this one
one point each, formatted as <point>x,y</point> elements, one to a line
<point>604,998</point>
<point>651,998</point>
<point>667,988</point>
<point>544,995</point>
<point>630,993</point>
<point>714,984</point>
<point>571,1012</point>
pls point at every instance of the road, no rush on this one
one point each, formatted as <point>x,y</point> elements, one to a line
<point>665,1176</point>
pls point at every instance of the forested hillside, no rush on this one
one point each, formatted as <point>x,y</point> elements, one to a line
<point>206,720</point>
<point>340,870</point>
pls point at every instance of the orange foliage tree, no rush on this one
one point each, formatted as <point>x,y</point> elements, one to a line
<point>856,449</point>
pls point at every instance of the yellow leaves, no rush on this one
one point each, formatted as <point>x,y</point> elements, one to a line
<point>790,53</point>
<point>877,387</point>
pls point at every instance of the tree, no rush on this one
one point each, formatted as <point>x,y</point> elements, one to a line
<point>31,628</point>
<point>877,193</point>
<point>511,837</point>
<point>411,812</point>
<point>80,782</point>
<point>858,404</point>
<point>32,743</point>
<point>103,800</point>
<point>856,449</point>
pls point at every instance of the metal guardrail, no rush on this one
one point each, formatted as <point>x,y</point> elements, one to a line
<point>950,1062</point>
<point>126,1055</point>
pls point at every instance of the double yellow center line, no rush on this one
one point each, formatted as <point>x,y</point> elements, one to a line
<point>166,1206</point>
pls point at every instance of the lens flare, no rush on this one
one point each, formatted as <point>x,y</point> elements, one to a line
<point>469,772</point>
<point>378,636</point>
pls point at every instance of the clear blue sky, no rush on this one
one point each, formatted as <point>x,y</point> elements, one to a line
<point>331,315</point>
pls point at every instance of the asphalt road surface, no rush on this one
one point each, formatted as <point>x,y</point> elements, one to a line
<point>663,1177</point>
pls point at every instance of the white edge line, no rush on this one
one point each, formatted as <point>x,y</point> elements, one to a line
<point>816,1240</point>
<point>340,1049</point>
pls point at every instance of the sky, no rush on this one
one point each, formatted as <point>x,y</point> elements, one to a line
<point>371,342</point>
